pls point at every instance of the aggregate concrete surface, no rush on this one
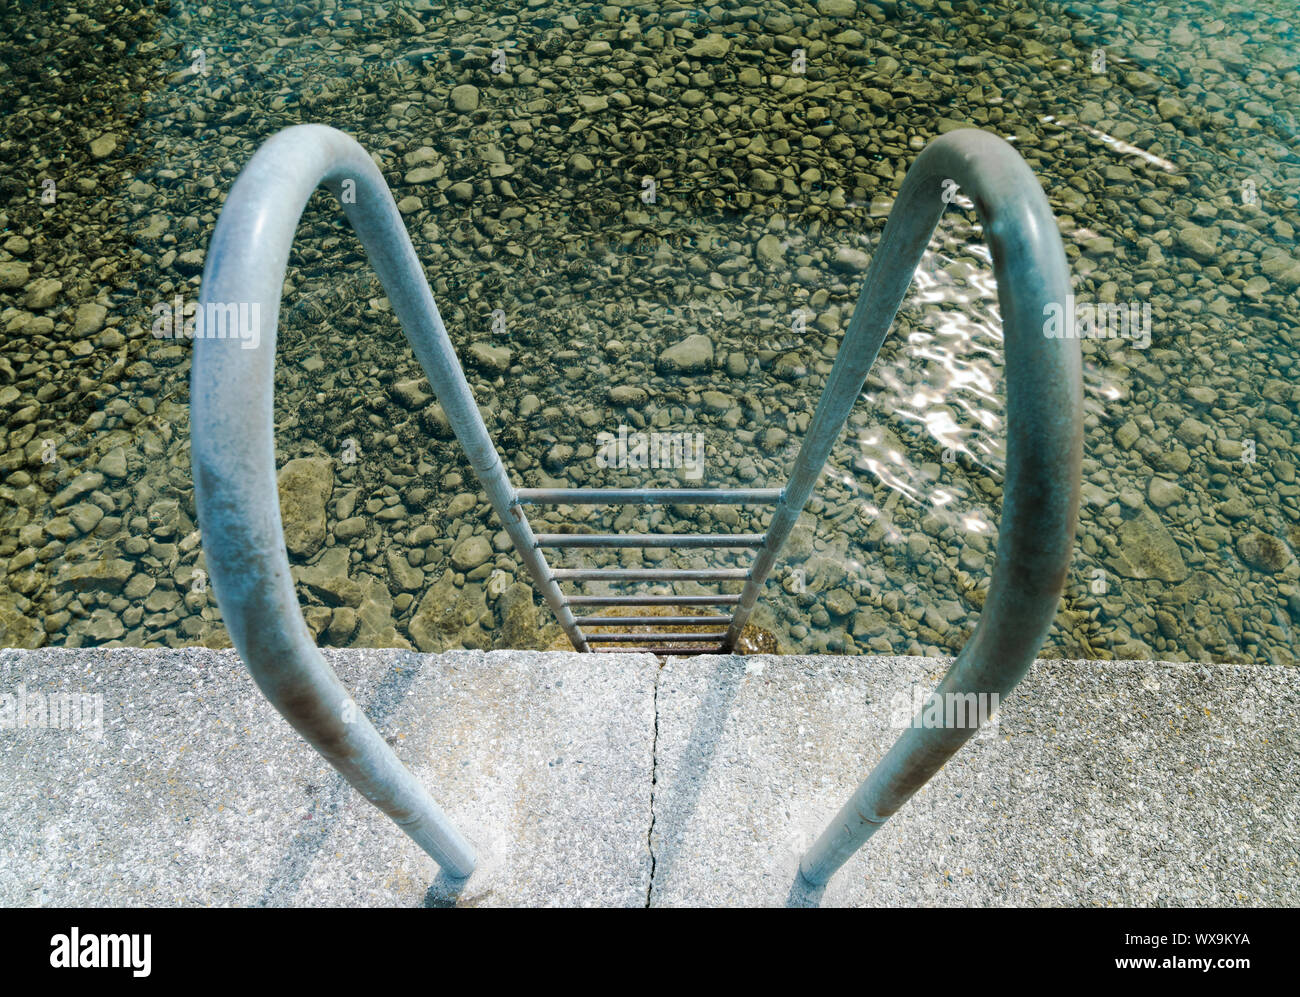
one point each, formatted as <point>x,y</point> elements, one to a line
<point>606,780</point>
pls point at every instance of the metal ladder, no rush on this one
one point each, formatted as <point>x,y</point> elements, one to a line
<point>669,642</point>
<point>233,455</point>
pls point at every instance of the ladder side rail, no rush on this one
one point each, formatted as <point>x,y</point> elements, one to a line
<point>233,452</point>
<point>1044,426</point>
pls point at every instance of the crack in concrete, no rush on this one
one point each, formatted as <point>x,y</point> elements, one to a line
<point>654,775</point>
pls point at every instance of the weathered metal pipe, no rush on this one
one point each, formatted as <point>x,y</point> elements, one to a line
<point>1044,450</point>
<point>653,600</point>
<point>651,574</point>
<point>643,638</point>
<point>683,540</point>
<point>651,621</point>
<point>233,452</point>
<point>648,496</point>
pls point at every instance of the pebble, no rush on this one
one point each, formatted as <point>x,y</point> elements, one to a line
<point>710,47</point>
<point>625,394</point>
<point>1263,552</point>
<point>848,260</point>
<point>42,293</point>
<point>490,357</point>
<point>13,273</point>
<point>1201,243</point>
<point>305,486</point>
<point>769,250</point>
<point>1163,493</point>
<point>89,319</point>
<point>470,553</point>
<point>465,98</point>
<point>694,354</point>
<point>103,146</point>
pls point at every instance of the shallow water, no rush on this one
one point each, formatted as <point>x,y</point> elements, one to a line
<point>1170,160</point>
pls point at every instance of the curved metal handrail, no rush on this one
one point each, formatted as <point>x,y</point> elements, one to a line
<point>1044,449</point>
<point>233,452</point>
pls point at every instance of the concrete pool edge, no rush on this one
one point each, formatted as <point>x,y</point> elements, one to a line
<point>606,781</point>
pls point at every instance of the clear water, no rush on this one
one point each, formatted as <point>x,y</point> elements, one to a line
<point>1170,159</point>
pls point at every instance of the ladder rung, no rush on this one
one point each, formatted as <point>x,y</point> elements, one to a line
<point>651,574</point>
<point>650,621</point>
<point>648,496</point>
<point>650,540</point>
<point>652,600</point>
<point>676,651</point>
<point>624,638</point>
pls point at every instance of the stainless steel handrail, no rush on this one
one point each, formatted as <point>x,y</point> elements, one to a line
<point>1044,451</point>
<point>233,452</point>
